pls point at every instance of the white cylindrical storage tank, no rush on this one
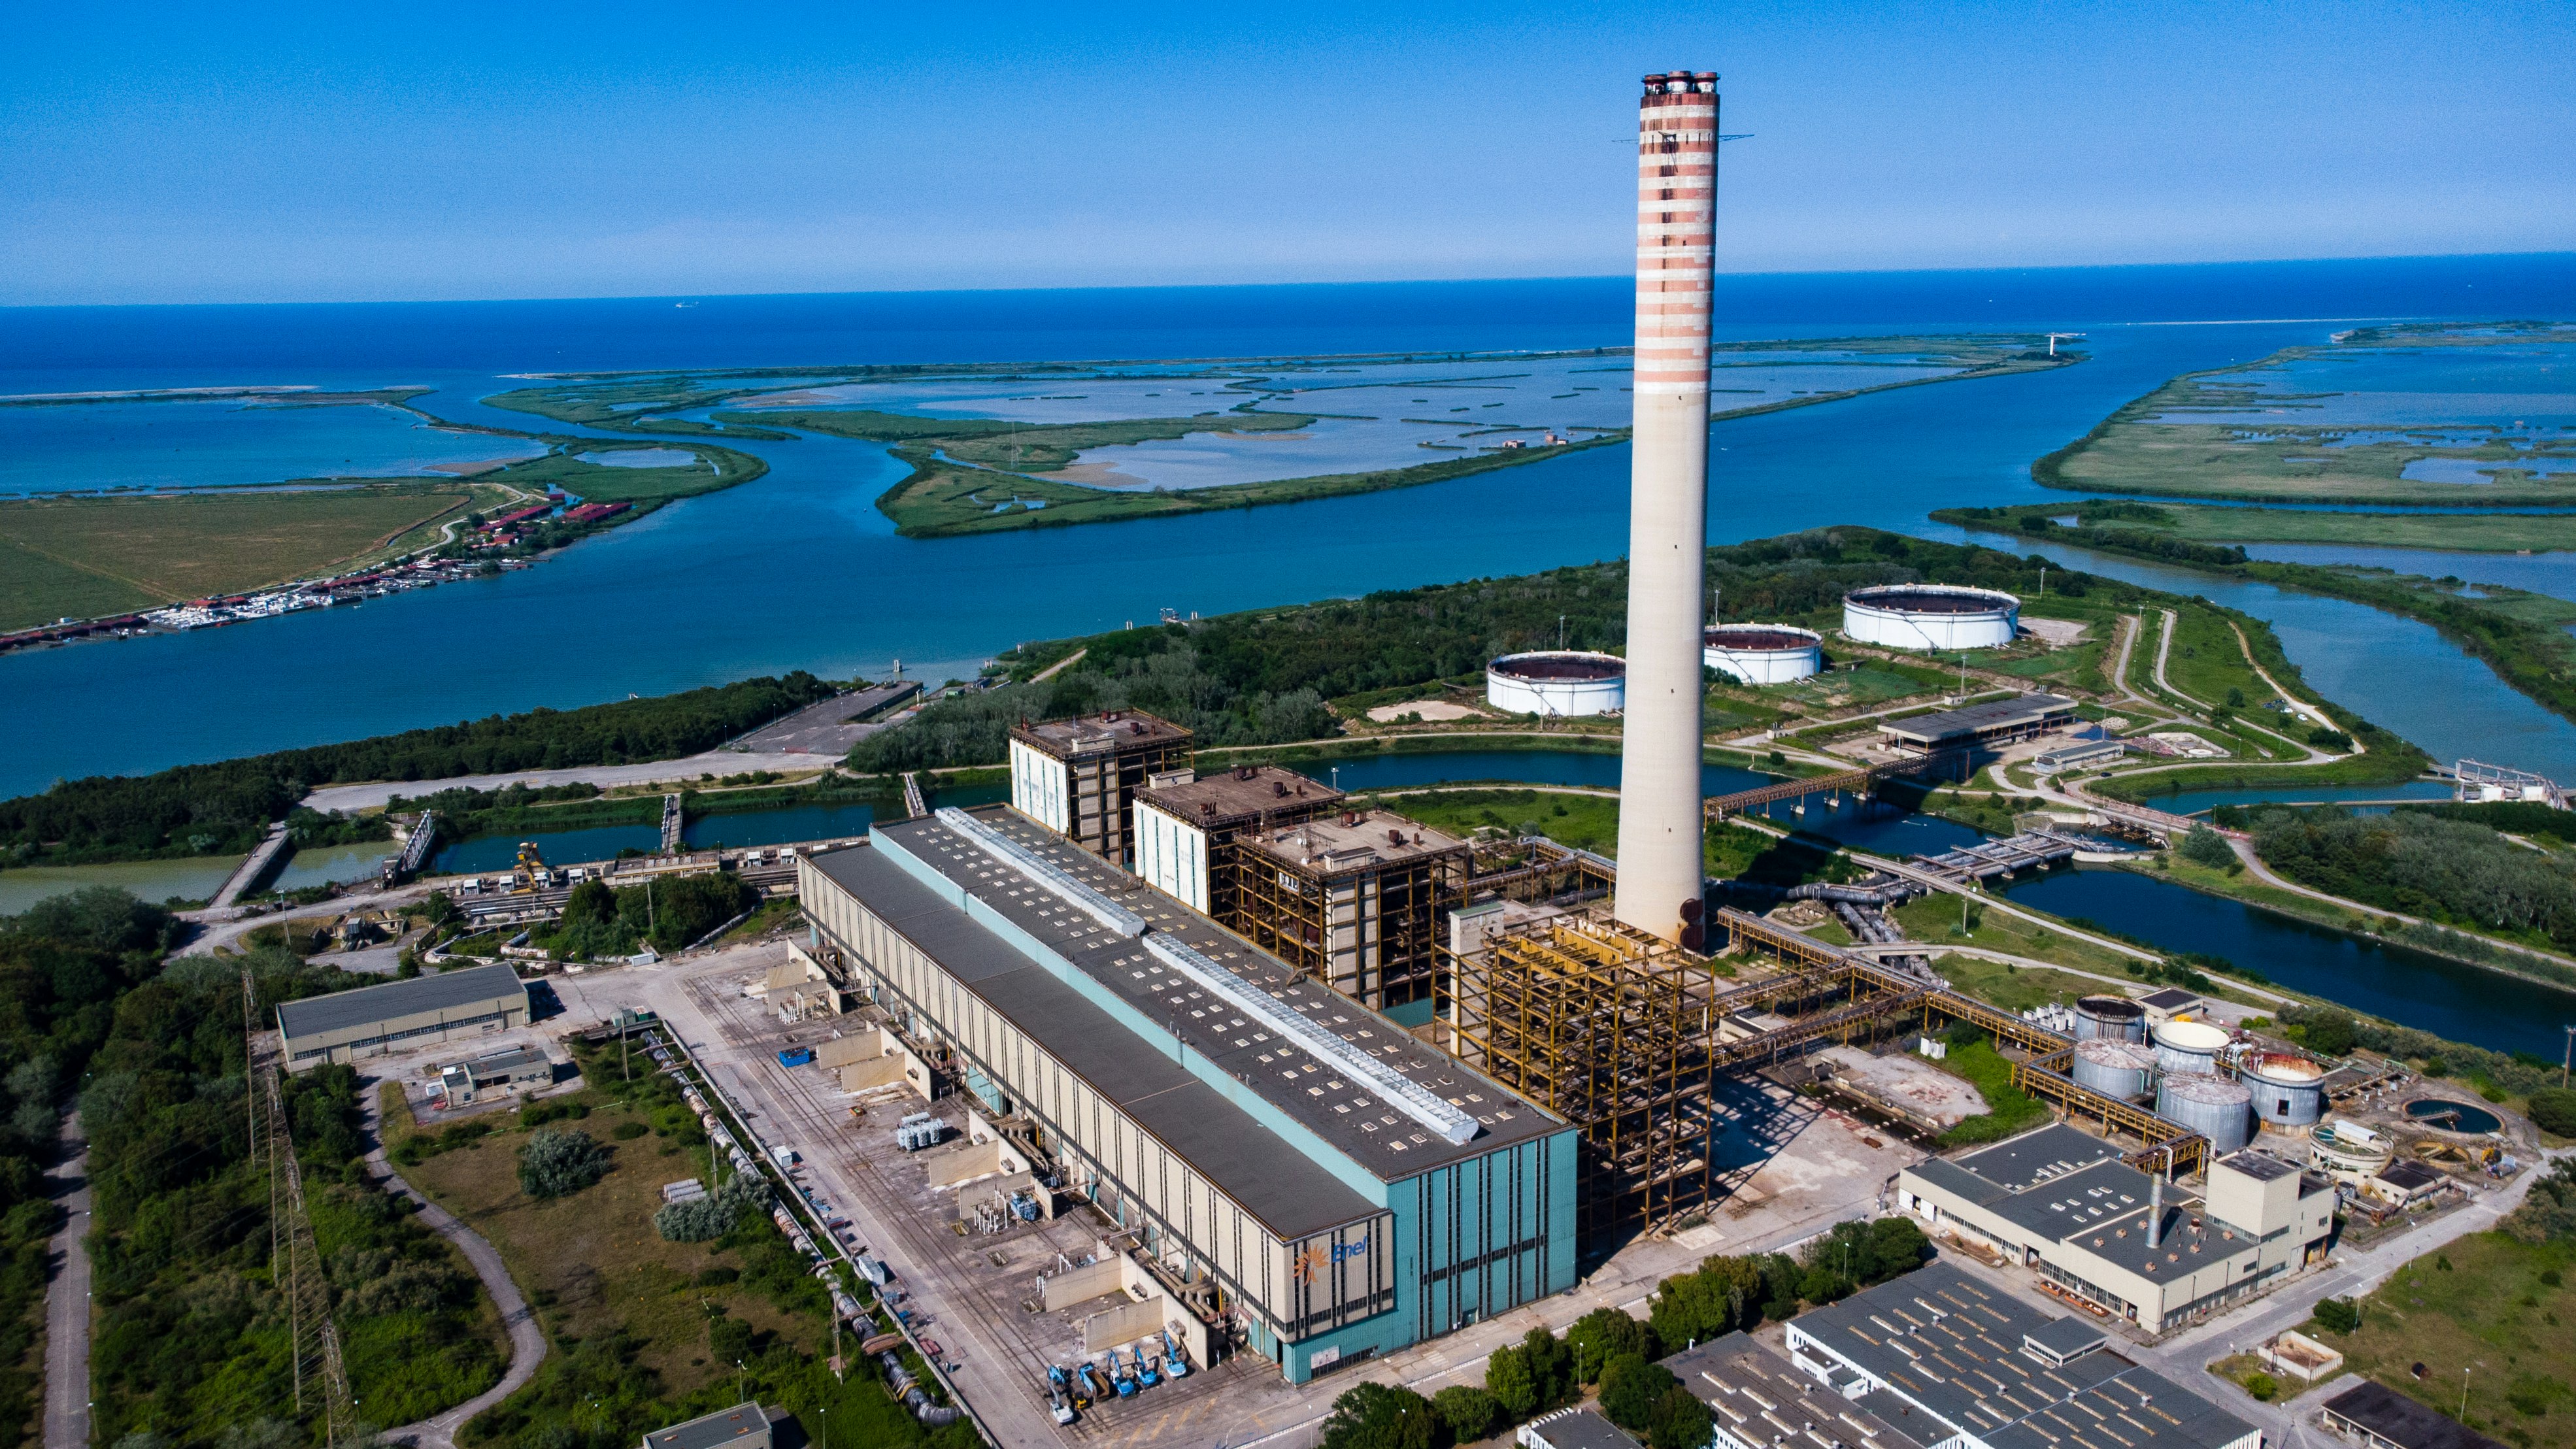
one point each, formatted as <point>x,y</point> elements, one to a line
<point>2113,1067</point>
<point>2188,1046</point>
<point>1562,683</point>
<point>2289,1091</point>
<point>1762,653</point>
<point>1931,616</point>
<point>2214,1107</point>
<point>2116,1017</point>
<point>2349,1152</point>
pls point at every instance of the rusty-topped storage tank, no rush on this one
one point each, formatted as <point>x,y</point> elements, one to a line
<point>2289,1091</point>
<point>2116,1017</point>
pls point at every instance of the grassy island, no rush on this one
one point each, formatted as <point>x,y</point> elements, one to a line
<point>940,497</point>
<point>2152,445</point>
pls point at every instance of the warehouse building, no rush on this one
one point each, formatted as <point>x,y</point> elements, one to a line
<point>1759,1400</point>
<point>1079,777</point>
<point>1956,1364</point>
<point>1186,825</point>
<point>1995,722</point>
<point>1345,1189</point>
<point>2095,1229</point>
<point>372,1020</point>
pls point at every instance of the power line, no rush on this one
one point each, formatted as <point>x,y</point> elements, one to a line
<point>315,1348</point>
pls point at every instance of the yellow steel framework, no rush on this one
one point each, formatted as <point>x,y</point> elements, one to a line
<point>1609,1028</point>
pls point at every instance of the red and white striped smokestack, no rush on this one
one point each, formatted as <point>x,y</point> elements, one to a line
<point>1660,869</point>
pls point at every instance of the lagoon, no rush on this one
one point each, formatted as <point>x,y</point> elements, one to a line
<point>86,447</point>
<point>196,878</point>
<point>804,554</point>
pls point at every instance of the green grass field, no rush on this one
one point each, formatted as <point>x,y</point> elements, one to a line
<point>597,482</point>
<point>942,498</point>
<point>2481,1316</point>
<point>93,556</point>
<point>2281,461</point>
<point>1019,447</point>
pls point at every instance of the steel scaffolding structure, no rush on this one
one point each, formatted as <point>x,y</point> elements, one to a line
<point>1611,1029</point>
<point>295,1260</point>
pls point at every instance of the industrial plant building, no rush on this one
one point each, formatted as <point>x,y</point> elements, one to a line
<point>1962,1366</point>
<point>1995,722</point>
<point>1357,899</point>
<point>373,1020</point>
<point>1079,777</point>
<point>1332,1185</point>
<point>1938,617</point>
<point>1759,1400</point>
<point>2101,1232</point>
<point>1186,824</point>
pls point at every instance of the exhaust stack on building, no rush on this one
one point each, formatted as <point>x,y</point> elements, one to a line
<point>1660,822</point>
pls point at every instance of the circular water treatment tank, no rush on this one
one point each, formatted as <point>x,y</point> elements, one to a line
<point>2347,1152</point>
<point>2110,1016</point>
<point>2214,1107</point>
<point>2113,1066</point>
<point>2289,1091</point>
<point>1562,683</point>
<point>1763,653</point>
<point>1931,616</point>
<point>2188,1046</point>
<point>2450,1116</point>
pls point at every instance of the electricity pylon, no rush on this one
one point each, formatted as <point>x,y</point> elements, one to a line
<point>295,1262</point>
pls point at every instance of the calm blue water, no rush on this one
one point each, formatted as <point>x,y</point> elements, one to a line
<point>799,571</point>
<point>2541,573</point>
<point>91,446</point>
<point>2464,1003</point>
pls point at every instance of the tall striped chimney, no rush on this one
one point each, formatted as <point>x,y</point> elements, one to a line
<point>1660,870</point>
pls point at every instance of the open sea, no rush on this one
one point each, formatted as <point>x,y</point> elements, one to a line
<point>799,570</point>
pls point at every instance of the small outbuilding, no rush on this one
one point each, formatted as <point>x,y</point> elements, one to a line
<point>2378,1417</point>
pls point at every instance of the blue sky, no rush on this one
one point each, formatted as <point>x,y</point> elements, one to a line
<point>267,153</point>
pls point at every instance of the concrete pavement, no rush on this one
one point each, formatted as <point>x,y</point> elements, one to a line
<point>718,763</point>
<point>67,1301</point>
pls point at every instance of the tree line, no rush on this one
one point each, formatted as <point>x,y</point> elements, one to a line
<point>226,807</point>
<point>1263,677</point>
<point>2454,871</point>
<point>1619,1354</point>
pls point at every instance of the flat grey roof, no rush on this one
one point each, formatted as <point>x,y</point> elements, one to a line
<point>2076,1202</point>
<point>1224,797</point>
<point>2171,998</point>
<point>1581,1429</point>
<point>1781,1400</point>
<point>1089,734</point>
<point>1977,718</point>
<point>2401,1420</point>
<point>707,1431</point>
<point>2033,1157</point>
<point>2067,1336</point>
<point>2262,1166</point>
<point>446,991</point>
<point>1954,1346</point>
<point>2409,1175</point>
<point>1388,1144</point>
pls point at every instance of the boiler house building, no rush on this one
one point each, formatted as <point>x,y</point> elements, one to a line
<point>1078,777</point>
<point>1348,1189</point>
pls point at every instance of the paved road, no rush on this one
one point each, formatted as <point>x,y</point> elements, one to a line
<point>67,1302</point>
<point>718,763</point>
<point>527,1337</point>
